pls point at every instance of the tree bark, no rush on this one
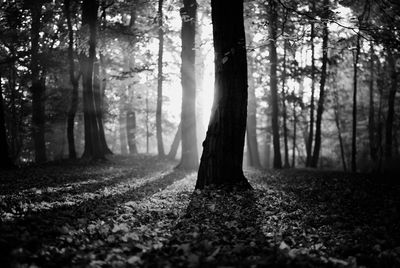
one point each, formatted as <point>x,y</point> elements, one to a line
<point>312,108</point>
<point>321,100</point>
<point>273,21</point>
<point>123,130</point>
<point>93,145</point>
<point>222,158</point>
<point>160,144</point>
<point>190,158</point>
<point>337,121</point>
<point>354,124</point>
<point>74,82</point>
<point>37,88</point>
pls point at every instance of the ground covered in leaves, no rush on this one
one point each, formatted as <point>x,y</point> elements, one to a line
<point>140,212</point>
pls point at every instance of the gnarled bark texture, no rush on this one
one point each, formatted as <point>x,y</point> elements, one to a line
<point>222,158</point>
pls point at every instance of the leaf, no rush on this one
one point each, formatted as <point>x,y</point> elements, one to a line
<point>134,259</point>
<point>224,59</point>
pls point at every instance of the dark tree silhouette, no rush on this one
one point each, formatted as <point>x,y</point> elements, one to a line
<point>74,82</point>
<point>190,158</point>
<point>273,27</point>
<point>321,100</point>
<point>5,160</point>
<point>38,84</point>
<point>222,158</point>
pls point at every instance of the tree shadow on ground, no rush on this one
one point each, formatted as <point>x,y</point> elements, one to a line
<point>221,229</point>
<point>43,228</point>
<point>352,217</point>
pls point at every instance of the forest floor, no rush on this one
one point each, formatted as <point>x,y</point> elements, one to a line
<point>140,212</point>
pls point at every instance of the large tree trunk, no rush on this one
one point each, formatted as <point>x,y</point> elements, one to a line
<point>391,102</point>
<point>273,26</point>
<point>93,146</point>
<point>160,144</point>
<point>252,144</point>
<point>5,160</point>
<point>37,88</point>
<point>321,100</point>
<point>190,158</point>
<point>354,124</point>
<point>310,139</point>
<point>175,143</point>
<point>222,158</point>
<point>284,112</point>
<point>74,82</point>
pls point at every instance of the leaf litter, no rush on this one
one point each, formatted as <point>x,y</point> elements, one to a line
<point>140,212</point>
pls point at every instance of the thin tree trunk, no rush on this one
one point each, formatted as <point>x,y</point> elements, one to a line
<point>321,100</point>
<point>190,158</point>
<point>273,20</point>
<point>285,128</point>
<point>354,125</point>
<point>37,88</point>
<point>391,104</point>
<point>222,158</point>
<point>131,130</point>
<point>252,143</point>
<point>160,144</point>
<point>98,102</point>
<point>74,82</point>
<point>294,135</point>
<point>147,123</point>
<point>123,130</point>
<point>371,116</point>
<point>312,108</point>
<point>337,121</point>
<point>5,160</point>
<point>175,143</point>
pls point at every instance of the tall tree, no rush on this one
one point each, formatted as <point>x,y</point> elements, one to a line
<point>38,84</point>
<point>321,100</point>
<point>354,123</point>
<point>190,158</point>
<point>160,144</point>
<point>252,144</point>
<point>273,28</point>
<point>5,160</point>
<point>391,105</point>
<point>310,139</point>
<point>222,158</point>
<point>93,145</point>
<point>74,79</point>
<point>371,114</point>
<point>284,107</point>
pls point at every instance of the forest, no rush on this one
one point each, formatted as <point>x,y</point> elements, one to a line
<point>199,133</point>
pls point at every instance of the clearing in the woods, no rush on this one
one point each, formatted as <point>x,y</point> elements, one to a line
<point>139,211</point>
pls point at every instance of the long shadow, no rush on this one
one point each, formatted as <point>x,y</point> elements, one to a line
<point>359,212</point>
<point>221,229</point>
<point>44,227</point>
<point>67,172</point>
